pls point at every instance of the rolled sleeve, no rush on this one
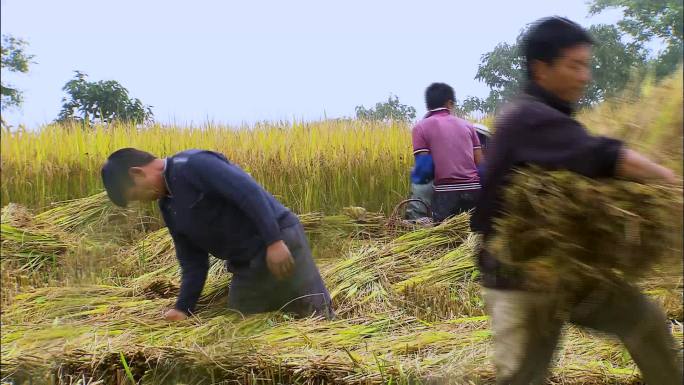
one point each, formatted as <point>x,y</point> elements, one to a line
<point>606,152</point>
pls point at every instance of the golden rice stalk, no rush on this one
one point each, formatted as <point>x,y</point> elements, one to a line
<point>152,252</point>
<point>83,331</point>
<point>451,267</point>
<point>94,214</point>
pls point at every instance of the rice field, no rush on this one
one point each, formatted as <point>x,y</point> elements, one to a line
<point>321,166</point>
<point>408,307</point>
<point>84,283</point>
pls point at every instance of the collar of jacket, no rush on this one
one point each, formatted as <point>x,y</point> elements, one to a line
<point>547,97</point>
<point>442,110</point>
<point>166,175</point>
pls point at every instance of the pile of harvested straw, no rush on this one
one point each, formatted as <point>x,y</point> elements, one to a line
<point>96,333</point>
<point>29,241</point>
<point>30,250</point>
<point>365,278</point>
<point>97,217</point>
<point>352,221</point>
<point>408,309</point>
<point>28,245</point>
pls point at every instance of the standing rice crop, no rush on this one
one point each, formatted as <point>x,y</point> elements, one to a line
<point>321,166</point>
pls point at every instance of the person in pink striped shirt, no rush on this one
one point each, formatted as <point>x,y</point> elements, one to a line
<point>455,149</point>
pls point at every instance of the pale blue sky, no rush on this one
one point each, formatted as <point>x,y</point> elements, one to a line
<point>248,61</point>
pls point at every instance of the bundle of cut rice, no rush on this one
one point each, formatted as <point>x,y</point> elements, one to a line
<point>28,245</point>
<point>563,228</point>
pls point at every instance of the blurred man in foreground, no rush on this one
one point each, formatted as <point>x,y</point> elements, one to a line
<point>538,129</point>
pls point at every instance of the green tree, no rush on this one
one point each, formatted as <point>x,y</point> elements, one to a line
<point>103,101</point>
<point>614,63</point>
<point>13,59</point>
<point>392,109</point>
<point>645,20</point>
<point>503,69</point>
<point>468,106</point>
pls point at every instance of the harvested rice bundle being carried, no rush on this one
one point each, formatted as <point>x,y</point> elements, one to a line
<point>580,228</point>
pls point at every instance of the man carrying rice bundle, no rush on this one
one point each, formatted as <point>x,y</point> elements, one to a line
<point>212,206</point>
<point>538,129</point>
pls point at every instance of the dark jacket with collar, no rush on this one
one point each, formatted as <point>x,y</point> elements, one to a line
<point>215,207</point>
<point>535,129</point>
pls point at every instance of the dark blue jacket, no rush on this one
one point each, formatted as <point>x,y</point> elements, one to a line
<point>215,207</point>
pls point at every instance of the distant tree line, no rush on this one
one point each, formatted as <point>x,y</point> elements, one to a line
<point>85,101</point>
<point>620,54</point>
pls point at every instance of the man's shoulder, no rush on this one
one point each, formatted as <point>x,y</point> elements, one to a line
<point>527,111</point>
<point>530,106</point>
<point>193,153</point>
<point>196,157</point>
<point>445,119</point>
<point>187,165</point>
<point>465,123</point>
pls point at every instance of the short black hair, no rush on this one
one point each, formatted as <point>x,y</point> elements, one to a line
<point>115,175</point>
<point>548,37</point>
<point>438,94</point>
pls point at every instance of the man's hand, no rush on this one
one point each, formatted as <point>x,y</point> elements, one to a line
<point>672,179</point>
<point>478,156</point>
<point>279,260</point>
<point>175,315</point>
<point>634,166</point>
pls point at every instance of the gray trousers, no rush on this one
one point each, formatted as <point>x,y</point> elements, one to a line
<point>526,330</point>
<point>254,289</point>
<point>446,204</point>
<point>416,210</point>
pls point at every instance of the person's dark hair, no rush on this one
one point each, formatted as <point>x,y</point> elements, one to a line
<point>115,175</point>
<point>548,37</point>
<point>438,94</point>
